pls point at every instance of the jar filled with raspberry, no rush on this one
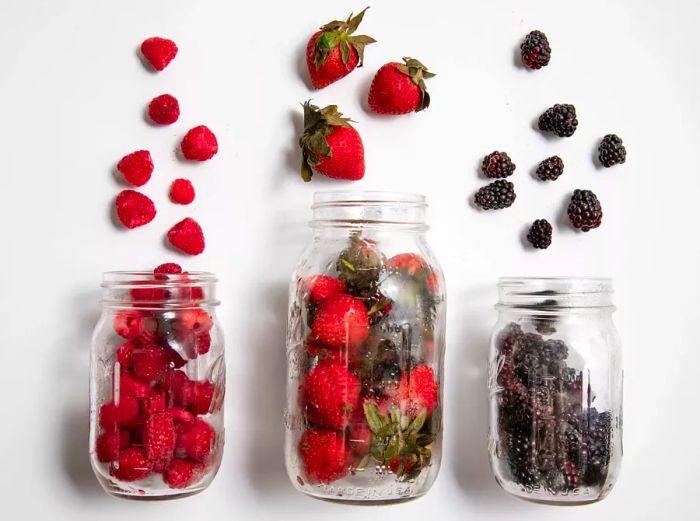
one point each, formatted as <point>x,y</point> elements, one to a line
<point>555,382</point>
<point>365,349</point>
<point>157,384</point>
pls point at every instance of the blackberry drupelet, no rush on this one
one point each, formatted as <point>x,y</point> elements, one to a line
<point>540,234</point>
<point>535,50</point>
<point>550,169</point>
<point>497,165</point>
<point>584,210</point>
<point>560,119</point>
<point>495,196</point>
<point>611,151</point>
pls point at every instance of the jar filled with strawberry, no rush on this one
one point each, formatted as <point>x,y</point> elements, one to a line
<point>555,382</point>
<point>365,348</point>
<point>157,384</point>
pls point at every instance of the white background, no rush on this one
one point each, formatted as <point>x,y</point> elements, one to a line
<point>72,95</point>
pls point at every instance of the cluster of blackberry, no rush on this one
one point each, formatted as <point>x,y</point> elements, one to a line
<point>549,437</point>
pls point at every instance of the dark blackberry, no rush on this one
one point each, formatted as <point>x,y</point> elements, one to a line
<point>495,196</point>
<point>584,210</point>
<point>497,165</point>
<point>597,441</point>
<point>526,358</point>
<point>550,169</point>
<point>572,477</point>
<point>611,151</point>
<point>507,338</point>
<point>535,50</point>
<point>560,119</point>
<point>521,460</point>
<point>554,352</point>
<point>540,234</point>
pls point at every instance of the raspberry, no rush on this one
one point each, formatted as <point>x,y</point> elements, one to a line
<point>107,445</point>
<point>196,442</point>
<point>187,236</point>
<point>112,415</point>
<point>535,50</point>
<point>550,169</point>
<point>133,388</point>
<point>497,165</point>
<point>164,109</point>
<point>168,268</point>
<point>154,403</point>
<point>611,151</point>
<point>124,352</point>
<point>560,119</point>
<point>136,168</point>
<point>149,364</point>
<point>132,465</point>
<point>195,396</point>
<point>134,209</point>
<point>182,191</point>
<point>131,325</point>
<point>540,234</point>
<point>199,144</point>
<point>181,473</point>
<point>159,437</point>
<point>495,196</point>
<point>585,211</point>
<point>159,52</point>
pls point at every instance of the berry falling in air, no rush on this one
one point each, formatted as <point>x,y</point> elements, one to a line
<point>497,165</point>
<point>540,234</point>
<point>495,196</point>
<point>199,144</point>
<point>611,151</point>
<point>535,50</point>
<point>333,52</point>
<point>560,119</point>
<point>159,52</point>
<point>164,109</point>
<point>398,88</point>
<point>550,169</point>
<point>182,191</point>
<point>136,168</point>
<point>187,236</point>
<point>585,211</point>
<point>134,209</point>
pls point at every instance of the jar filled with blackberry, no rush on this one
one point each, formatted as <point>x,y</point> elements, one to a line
<point>365,343</point>
<point>555,382</point>
<point>157,384</point>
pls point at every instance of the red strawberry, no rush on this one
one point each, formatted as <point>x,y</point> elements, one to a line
<point>323,454</point>
<point>159,52</point>
<point>149,364</point>
<point>132,465</point>
<point>322,286</point>
<point>199,144</point>
<point>136,168</point>
<point>333,53</point>
<point>181,191</point>
<point>330,394</point>
<point>112,415</point>
<point>316,349</point>
<point>196,442</point>
<point>416,392</point>
<point>410,263</point>
<point>164,109</point>
<point>359,435</point>
<point>133,388</point>
<point>399,88</point>
<point>402,465</point>
<point>159,437</point>
<point>187,236</point>
<point>108,443</point>
<point>341,321</point>
<point>182,473</point>
<point>134,209</point>
<point>168,268</point>
<point>330,145</point>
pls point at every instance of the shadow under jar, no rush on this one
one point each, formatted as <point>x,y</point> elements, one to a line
<point>157,378</point>
<point>365,347</point>
<point>555,382</point>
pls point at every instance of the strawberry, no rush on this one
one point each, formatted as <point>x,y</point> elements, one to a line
<point>159,52</point>
<point>112,415</point>
<point>132,465</point>
<point>316,349</point>
<point>323,454</point>
<point>330,145</point>
<point>196,442</point>
<point>359,436</point>
<point>187,236</point>
<point>330,394</point>
<point>414,265</point>
<point>321,286</point>
<point>108,443</point>
<point>134,209</point>
<point>398,88</point>
<point>333,53</point>
<point>182,473</point>
<point>159,437</point>
<point>417,391</point>
<point>341,321</point>
<point>136,168</point>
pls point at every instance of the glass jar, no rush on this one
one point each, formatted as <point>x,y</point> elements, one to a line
<point>365,348</point>
<point>157,379</point>
<point>555,382</point>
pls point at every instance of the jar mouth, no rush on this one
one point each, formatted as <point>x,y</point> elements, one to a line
<point>555,293</point>
<point>143,289</point>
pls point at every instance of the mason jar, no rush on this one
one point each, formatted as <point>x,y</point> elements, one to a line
<point>555,382</point>
<point>365,347</point>
<point>157,379</point>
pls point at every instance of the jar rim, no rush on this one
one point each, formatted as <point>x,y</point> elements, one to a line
<point>364,197</point>
<point>142,278</point>
<point>175,290</point>
<point>555,293</point>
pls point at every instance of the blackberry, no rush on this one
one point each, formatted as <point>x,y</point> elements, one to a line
<point>584,210</point>
<point>560,119</point>
<point>535,50</point>
<point>497,165</point>
<point>550,169</point>
<point>540,234</point>
<point>495,196</point>
<point>508,337</point>
<point>598,447</point>
<point>611,151</point>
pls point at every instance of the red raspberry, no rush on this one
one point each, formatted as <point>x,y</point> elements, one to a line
<point>183,419</point>
<point>323,286</point>
<point>149,364</point>
<point>323,453</point>
<point>195,321</point>
<point>132,465</point>
<point>164,109</point>
<point>181,473</point>
<point>195,396</point>
<point>203,343</point>
<point>132,324</point>
<point>107,445</point>
<point>134,209</point>
<point>133,388</point>
<point>159,52</point>
<point>136,168</point>
<point>175,358</point>
<point>168,268</point>
<point>330,395</point>
<point>124,352</point>
<point>197,441</point>
<point>112,415</point>
<point>182,191</point>
<point>159,437</point>
<point>187,236</point>
<point>154,403</point>
<point>199,144</point>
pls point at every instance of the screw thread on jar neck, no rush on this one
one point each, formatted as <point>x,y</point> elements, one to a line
<point>143,290</point>
<point>555,294</point>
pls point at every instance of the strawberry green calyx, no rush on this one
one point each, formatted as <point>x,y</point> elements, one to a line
<point>339,33</point>
<point>318,125</point>
<point>417,72</point>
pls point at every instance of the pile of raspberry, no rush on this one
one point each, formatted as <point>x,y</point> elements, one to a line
<point>134,208</point>
<point>154,419</point>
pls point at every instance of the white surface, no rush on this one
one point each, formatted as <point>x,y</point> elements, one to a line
<point>72,94</point>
